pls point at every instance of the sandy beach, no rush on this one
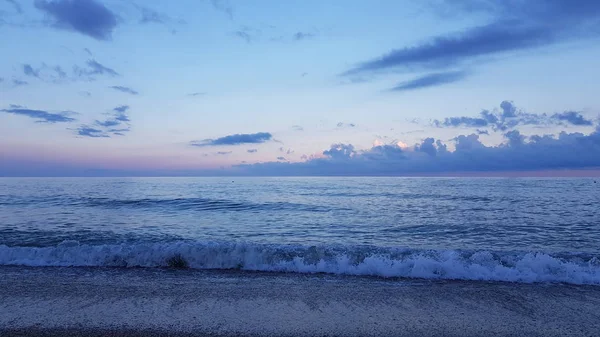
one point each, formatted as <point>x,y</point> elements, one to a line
<point>155,302</point>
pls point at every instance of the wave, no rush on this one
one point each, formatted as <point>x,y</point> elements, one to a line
<point>527,267</point>
<point>191,204</point>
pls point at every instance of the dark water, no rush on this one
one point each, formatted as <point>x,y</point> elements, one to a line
<point>504,229</point>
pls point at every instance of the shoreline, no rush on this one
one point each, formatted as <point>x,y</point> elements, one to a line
<point>53,301</point>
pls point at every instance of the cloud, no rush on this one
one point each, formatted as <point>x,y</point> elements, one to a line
<point>281,158</point>
<point>60,72</point>
<point>223,153</point>
<point>56,74</point>
<point>299,36</point>
<point>121,110</point>
<point>252,150</point>
<point>431,80</point>
<point>446,51</point>
<point>267,33</point>
<point>28,70</point>
<point>16,6</point>
<point>99,69</point>
<point>86,17</point>
<point>88,52</point>
<point>149,16</point>
<point>108,123</point>
<point>462,121</point>
<point>196,94</point>
<point>482,132</point>
<point>572,117</point>
<point>345,125</point>
<point>297,128</point>
<point>126,90</point>
<point>223,6</point>
<point>87,131</point>
<point>509,117</point>
<point>516,153</point>
<point>117,118</point>
<point>237,139</point>
<point>515,26</point>
<point>94,68</point>
<point>40,115</point>
<point>244,35</point>
<point>18,83</point>
<point>286,151</point>
<point>338,151</point>
<point>152,16</point>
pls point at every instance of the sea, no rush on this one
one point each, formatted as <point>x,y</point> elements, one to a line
<point>523,230</point>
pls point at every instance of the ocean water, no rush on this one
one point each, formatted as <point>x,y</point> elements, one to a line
<point>492,229</point>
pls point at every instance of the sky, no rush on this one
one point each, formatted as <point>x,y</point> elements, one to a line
<point>266,87</point>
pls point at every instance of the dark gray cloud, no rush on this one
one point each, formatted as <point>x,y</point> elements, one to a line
<point>431,80</point>
<point>16,6</point>
<point>517,25</point>
<point>108,123</point>
<point>482,132</point>
<point>572,117</point>
<point>462,121</point>
<point>345,125</point>
<point>94,68</point>
<point>56,74</point>
<point>427,146</point>
<point>446,51</point>
<point>121,110</point>
<point>87,17</point>
<point>516,153</point>
<point>86,131</point>
<point>41,116</point>
<point>281,158</point>
<point>28,70</point>
<point>252,150</point>
<point>509,116</point>
<point>117,122</point>
<point>126,90</point>
<point>237,139</point>
<point>299,36</point>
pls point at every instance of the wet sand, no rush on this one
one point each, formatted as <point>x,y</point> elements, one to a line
<point>153,302</point>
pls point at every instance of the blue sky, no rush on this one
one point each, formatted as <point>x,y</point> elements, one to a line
<point>119,87</point>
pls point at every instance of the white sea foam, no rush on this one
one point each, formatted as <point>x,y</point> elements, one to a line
<point>429,264</point>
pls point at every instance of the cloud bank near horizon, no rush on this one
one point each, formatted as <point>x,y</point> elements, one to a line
<point>516,153</point>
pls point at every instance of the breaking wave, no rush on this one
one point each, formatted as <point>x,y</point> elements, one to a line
<point>525,267</point>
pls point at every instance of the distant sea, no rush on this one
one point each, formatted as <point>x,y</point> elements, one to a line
<point>479,229</point>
